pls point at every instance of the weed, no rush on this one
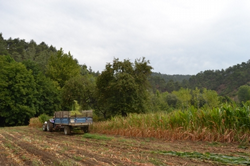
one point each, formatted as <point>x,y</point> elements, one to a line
<point>67,163</point>
<point>155,161</point>
<point>24,157</point>
<point>243,144</point>
<point>149,139</point>
<point>35,163</point>
<point>96,136</point>
<point>78,158</point>
<point>209,156</point>
<point>9,145</point>
<point>214,144</point>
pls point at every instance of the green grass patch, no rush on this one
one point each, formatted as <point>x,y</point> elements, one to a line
<point>96,136</point>
<point>214,144</point>
<point>78,158</point>
<point>155,161</point>
<point>226,159</point>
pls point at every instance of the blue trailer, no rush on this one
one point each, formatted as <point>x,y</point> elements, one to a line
<point>67,121</point>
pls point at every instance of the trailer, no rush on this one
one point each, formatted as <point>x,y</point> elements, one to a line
<point>66,121</point>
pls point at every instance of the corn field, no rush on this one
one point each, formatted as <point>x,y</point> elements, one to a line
<point>227,123</point>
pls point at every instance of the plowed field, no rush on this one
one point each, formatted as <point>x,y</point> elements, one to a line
<point>32,146</point>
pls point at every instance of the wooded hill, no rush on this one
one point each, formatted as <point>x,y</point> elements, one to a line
<point>225,82</point>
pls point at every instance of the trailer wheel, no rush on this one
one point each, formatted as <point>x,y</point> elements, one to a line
<point>67,130</point>
<point>44,127</point>
<point>49,126</point>
<point>85,129</point>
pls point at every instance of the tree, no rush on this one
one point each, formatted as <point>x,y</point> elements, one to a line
<point>159,101</point>
<point>80,89</point>
<point>17,90</point>
<point>211,97</point>
<point>123,88</point>
<point>196,97</point>
<point>47,98</point>
<point>244,93</point>
<point>3,50</point>
<point>172,100</point>
<point>184,96</point>
<point>61,67</point>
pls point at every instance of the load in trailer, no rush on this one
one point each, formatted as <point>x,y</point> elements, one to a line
<point>67,121</point>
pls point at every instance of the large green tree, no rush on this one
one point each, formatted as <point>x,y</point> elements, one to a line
<point>80,89</point>
<point>61,67</point>
<point>244,93</point>
<point>47,98</point>
<point>184,97</point>
<point>123,88</point>
<point>3,45</point>
<point>17,91</point>
<point>211,98</point>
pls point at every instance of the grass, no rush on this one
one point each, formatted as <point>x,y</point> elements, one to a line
<point>78,158</point>
<point>97,136</point>
<point>226,159</point>
<point>214,144</point>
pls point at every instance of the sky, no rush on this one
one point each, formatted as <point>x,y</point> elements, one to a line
<point>175,36</point>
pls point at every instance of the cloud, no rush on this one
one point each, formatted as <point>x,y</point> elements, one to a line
<point>177,37</point>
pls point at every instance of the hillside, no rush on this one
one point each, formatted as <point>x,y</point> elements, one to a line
<point>225,82</point>
<point>174,77</point>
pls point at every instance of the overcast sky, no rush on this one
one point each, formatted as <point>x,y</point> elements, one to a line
<point>176,36</point>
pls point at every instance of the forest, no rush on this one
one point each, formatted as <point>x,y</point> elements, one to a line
<point>38,79</point>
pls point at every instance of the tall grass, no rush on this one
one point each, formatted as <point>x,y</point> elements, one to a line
<point>227,123</point>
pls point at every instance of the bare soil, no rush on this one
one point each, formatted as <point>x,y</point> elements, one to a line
<point>32,146</point>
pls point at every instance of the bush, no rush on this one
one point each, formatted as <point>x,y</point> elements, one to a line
<point>43,117</point>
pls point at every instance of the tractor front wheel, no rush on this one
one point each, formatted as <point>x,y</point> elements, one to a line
<point>67,130</point>
<point>49,126</point>
<point>44,127</point>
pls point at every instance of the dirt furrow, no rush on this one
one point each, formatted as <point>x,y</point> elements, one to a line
<point>55,148</point>
<point>61,151</point>
<point>123,153</point>
<point>15,153</point>
<point>85,149</point>
<point>45,154</point>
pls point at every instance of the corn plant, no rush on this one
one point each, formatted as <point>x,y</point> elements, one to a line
<point>225,123</point>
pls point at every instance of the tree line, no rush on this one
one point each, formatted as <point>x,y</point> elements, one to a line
<point>38,79</point>
<point>225,82</point>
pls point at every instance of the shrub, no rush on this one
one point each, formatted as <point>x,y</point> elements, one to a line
<point>43,117</point>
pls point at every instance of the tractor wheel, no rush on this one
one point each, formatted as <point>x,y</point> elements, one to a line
<point>44,127</point>
<point>85,129</point>
<point>49,126</point>
<point>67,130</point>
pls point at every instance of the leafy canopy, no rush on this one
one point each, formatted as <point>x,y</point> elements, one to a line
<point>81,89</point>
<point>123,88</point>
<point>17,91</point>
<point>61,67</point>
